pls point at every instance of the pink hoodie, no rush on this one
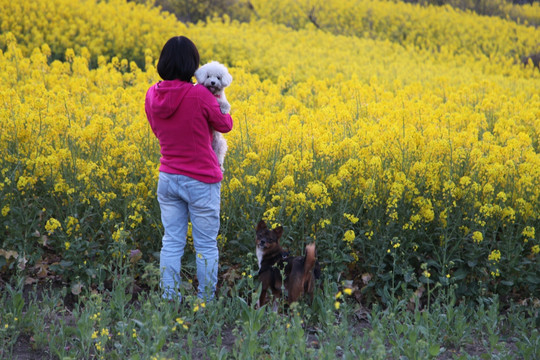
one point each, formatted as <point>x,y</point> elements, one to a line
<point>182,116</point>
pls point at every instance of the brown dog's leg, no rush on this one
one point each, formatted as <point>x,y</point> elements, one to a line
<point>276,288</point>
<point>277,283</point>
<point>295,287</point>
<point>262,298</point>
<point>310,287</point>
<point>277,296</point>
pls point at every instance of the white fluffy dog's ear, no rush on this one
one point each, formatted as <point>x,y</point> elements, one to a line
<point>200,74</point>
<point>226,80</point>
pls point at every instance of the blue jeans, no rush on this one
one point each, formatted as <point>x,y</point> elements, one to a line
<point>182,198</point>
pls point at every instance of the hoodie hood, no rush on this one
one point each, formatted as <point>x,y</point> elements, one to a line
<point>164,97</point>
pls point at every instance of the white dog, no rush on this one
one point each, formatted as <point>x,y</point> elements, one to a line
<point>215,77</point>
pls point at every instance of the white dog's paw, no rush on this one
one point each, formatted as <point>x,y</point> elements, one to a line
<point>224,106</point>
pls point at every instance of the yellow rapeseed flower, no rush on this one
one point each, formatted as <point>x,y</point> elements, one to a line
<point>349,236</point>
<point>495,255</point>
<point>353,219</point>
<point>529,232</point>
<point>51,225</point>
<point>477,236</point>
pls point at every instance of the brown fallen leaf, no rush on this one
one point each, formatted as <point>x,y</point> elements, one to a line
<point>42,269</point>
<point>366,278</point>
<point>30,280</point>
<point>8,254</point>
<point>135,256</point>
<point>22,262</point>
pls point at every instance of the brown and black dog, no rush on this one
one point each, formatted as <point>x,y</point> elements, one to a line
<point>300,271</point>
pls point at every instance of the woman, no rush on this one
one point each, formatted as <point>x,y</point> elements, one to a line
<point>182,116</point>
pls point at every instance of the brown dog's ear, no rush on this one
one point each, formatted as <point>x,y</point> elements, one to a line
<point>278,231</point>
<point>261,225</point>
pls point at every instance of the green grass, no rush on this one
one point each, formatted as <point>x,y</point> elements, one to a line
<point>122,321</point>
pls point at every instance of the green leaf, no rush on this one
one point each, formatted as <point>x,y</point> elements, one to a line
<point>434,349</point>
<point>65,263</point>
<point>460,274</point>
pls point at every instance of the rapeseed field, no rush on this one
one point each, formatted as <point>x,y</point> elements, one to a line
<point>403,140</point>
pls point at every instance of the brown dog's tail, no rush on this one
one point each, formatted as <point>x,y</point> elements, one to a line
<point>310,259</point>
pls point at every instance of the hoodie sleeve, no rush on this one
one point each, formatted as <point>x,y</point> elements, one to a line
<point>210,107</point>
<point>147,106</point>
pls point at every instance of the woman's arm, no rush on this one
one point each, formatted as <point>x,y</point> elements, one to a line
<point>211,110</point>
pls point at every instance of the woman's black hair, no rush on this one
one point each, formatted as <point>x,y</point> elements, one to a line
<point>178,60</point>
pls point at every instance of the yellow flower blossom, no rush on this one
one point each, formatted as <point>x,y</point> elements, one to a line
<point>288,182</point>
<point>324,222</point>
<point>353,219</point>
<point>235,185</point>
<point>52,225</point>
<point>495,255</point>
<point>349,236</point>
<point>477,237</point>
<point>5,210</point>
<point>528,232</point>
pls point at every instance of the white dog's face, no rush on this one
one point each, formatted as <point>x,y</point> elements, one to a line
<point>213,76</point>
